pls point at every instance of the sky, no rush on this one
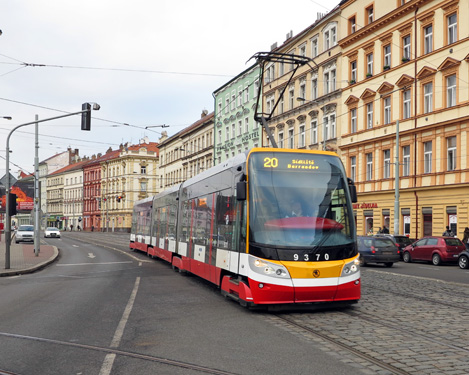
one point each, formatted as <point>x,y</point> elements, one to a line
<point>146,63</point>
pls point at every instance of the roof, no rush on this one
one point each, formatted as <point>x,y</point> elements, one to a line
<point>70,167</point>
<point>190,128</point>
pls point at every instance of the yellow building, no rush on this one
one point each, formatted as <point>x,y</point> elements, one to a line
<point>407,66</point>
<point>304,117</point>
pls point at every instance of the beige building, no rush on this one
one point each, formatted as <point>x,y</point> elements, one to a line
<point>188,152</point>
<point>130,175</point>
<point>305,116</point>
<point>407,65</point>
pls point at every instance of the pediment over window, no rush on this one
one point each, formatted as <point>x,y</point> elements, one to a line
<point>280,126</point>
<point>290,122</point>
<point>449,63</point>
<point>301,118</point>
<point>367,94</point>
<point>385,87</point>
<point>313,113</point>
<point>352,99</point>
<point>425,72</point>
<point>405,80</point>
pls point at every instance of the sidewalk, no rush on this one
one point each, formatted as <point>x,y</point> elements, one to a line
<point>23,259</point>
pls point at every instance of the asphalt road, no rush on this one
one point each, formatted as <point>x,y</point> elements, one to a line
<point>103,310</point>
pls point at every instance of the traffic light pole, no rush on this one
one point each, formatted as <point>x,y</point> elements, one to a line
<point>86,112</point>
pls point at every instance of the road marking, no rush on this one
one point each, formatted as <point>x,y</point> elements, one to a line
<point>109,359</point>
<point>91,264</point>
<point>91,255</point>
<point>75,246</point>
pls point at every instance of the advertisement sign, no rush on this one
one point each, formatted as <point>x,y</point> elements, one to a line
<point>24,191</point>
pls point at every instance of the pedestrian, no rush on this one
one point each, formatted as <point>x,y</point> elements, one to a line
<point>379,231</point>
<point>385,230</point>
<point>448,232</point>
<point>71,227</point>
<point>465,239</point>
<point>92,228</point>
<point>79,228</point>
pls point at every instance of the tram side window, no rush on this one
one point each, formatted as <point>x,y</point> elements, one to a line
<point>202,220</point>
<point>226,216</point>
<point>154,224</point>
<point>134,222</point>
<point>171,234</point>
<point>163,222</point>
<point>185,221</point>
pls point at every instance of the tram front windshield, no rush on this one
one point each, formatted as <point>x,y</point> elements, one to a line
<point>298,200</point>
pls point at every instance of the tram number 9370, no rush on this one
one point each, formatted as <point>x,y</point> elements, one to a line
<point>310,257</point>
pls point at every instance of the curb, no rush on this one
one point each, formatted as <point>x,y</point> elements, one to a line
<point>32,269</point>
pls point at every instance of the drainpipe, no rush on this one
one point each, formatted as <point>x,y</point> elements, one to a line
<point>415,128</point>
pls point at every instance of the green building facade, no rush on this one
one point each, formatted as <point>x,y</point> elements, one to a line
<point>235,103</point>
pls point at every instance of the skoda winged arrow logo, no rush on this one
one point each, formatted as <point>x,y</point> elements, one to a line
<point>316,273</point>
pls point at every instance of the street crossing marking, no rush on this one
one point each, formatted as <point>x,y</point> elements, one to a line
<point>92,264</point>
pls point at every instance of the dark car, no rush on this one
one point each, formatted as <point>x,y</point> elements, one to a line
<point>463,259</point>
<point>435,249</point>
<point>377,249</point>
<point>400,240</point>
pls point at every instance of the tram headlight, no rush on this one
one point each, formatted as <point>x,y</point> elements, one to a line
<point>267,268</point>
<point>351,268</point>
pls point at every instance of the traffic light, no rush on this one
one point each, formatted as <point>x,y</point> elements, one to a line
<point>12,204</point>
<point>86,116</point>
<point>118,198</point>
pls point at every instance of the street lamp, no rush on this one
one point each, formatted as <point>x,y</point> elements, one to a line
<point>85,112</point>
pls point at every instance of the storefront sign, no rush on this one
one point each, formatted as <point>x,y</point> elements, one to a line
<point>365,205</point>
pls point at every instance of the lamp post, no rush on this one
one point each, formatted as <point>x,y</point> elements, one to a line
<point>85,112</point>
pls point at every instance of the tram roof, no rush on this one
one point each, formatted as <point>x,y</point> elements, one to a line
<point>227,164</point>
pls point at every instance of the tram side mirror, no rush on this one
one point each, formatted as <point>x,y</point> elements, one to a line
<point>241,191</point>
<point>353,190</point>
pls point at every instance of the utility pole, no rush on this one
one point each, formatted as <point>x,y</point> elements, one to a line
<point>37,241</point>
<point>396,182</point>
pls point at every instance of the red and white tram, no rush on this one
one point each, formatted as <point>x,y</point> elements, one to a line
<point>235,225</point>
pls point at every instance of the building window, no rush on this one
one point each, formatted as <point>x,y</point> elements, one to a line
<point>301,137</point>
<point>240,127</point>
<point>303,89</point>
<point>219,136</point>
<point>406,107</point>
<point>406,161</point>
<point>353,168</point>
<point>353,120</point>
<point>428,39</point>
<point>227,133</point>
<point>314,47</point>
<point>427,157</point>
<point>387,110</point>
<point>326,83</point>
<point>428,97</point>
<point>369,115</point>
<point>451,90</point>
<point>406,48</point>
<point>451,152</point>
<point>427,221</point>
<point>303,50</point>
<point>333,126</point>
<point>291,97</point>
<point>233,131</point>
<point>246,94</point>
<point>291,140</point>
<point>314,132</point>
<point>387,56</point>
<point>353,71</point>
<point>143,169</point>
<point>233,101</point>
<point>369,65</point>
<point>387,163</point>
<point>333,78</point>
<point>327,40</point>
<point>352,22</point>
<point>325,122</point>
<point>227,105</point>
<point>314,89</point>
<point>369,167</point>
<point>246,125</point>
<point>369,15</point>
<point>452,28</point>
<point>329,81</point>
<point>143,186</point>
<point>280,140</point>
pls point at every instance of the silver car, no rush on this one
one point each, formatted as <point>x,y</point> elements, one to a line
<point>25,233</point>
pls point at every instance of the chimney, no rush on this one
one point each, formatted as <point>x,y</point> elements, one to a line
<point>204,113</point>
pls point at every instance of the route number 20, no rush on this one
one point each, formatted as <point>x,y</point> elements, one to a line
<point>270,162</point>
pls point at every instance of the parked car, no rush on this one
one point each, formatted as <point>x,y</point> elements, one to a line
<point>400,240</point>
<point>52,232</point>
<point>25,233</point>
<point>435,249</point>
<point>463,259</point>
<point>377,249</point>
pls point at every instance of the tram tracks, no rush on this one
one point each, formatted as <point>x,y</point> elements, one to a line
<point>123,353</point>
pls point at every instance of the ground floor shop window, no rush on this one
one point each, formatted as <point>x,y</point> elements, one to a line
<point>368,221</point>
<point>451,211</point>
<point>427,221</point>
<point>386,214</point>
<point>405,212</point>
